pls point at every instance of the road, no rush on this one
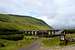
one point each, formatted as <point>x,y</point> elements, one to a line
<point>34,46</point>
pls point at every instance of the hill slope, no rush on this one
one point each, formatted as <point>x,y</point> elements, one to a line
<point>16,22</point>
<point>8,21</point>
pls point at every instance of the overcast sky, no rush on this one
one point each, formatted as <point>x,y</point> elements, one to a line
<point>57,13</point>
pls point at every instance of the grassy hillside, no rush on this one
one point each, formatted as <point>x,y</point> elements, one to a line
<point>21,23</point>
<point>16,22</point>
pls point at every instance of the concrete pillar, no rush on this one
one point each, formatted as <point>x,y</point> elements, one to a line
<point>52,32</point>
<point>35,33</point>
<point>32,33</point>
<point>49,32</point>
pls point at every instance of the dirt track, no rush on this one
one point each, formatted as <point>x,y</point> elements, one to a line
<point>36,46</point>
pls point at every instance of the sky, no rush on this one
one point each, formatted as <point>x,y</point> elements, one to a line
<point>59,14</point>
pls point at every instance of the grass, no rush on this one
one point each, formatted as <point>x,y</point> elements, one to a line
<point>70,35</point>
<point>15,45</point>
<point>55,41</point>
<point>51,42</point>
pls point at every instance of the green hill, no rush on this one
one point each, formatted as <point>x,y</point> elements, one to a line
<point>18,22</point>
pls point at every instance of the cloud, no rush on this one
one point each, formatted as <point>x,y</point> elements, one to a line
<point>57,13</point>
